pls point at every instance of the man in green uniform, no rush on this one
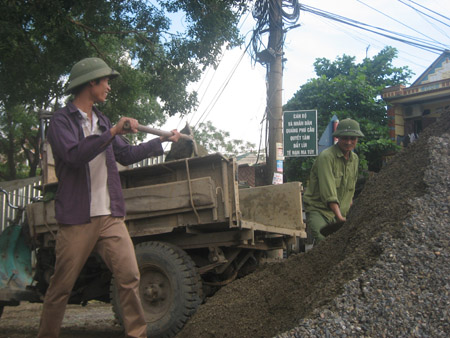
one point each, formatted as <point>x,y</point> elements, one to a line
<point>331,187</point>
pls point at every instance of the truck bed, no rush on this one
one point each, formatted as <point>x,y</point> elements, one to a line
<point>199,194</point>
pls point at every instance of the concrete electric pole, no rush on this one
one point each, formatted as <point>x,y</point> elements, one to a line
<point>275,86</point>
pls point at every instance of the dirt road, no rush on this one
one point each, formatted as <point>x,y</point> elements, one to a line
<point>96,320</point>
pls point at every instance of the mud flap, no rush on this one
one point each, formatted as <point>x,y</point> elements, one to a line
<point>15,259</point>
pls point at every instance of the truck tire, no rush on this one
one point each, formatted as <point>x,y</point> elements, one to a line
<point>170,288</point>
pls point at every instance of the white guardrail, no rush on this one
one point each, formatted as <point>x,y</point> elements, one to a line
<point>20,193</point>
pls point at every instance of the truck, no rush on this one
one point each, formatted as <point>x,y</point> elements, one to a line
<point>194,230</point>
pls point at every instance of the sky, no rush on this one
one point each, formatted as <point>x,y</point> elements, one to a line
<point>233,97</point>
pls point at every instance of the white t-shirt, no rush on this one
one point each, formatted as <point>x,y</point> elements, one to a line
<point>100,202</point>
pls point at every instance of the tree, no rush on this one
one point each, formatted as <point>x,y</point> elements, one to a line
<point>41,40</point>
<point>350,90</point>
<point>215,140</point>
<point>18,144</point>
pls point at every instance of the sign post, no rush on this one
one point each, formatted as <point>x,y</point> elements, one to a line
<point>300,133</point>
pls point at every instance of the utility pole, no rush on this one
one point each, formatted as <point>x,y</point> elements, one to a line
<point>275,82</point>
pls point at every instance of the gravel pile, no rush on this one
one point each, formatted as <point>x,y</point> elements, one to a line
<point>406,293</point>
<point>385,273</point>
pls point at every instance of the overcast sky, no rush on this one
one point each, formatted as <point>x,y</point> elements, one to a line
<point>233,96</point>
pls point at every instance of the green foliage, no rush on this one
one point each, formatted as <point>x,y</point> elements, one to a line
<point>41,40</point>
<point>371,153</point>
<point>17,157</point>
<point>298,169</point>
<point>350,90</point>
<point>215,140</point>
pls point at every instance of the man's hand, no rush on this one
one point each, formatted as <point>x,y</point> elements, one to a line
<point>119,129</point>
<point>337,211</point>
<point>174,138</point>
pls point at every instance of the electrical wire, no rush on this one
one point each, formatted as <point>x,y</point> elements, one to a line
<point>263,12</point>
<point>216,97</point>
<point>361,38</point>
<point>215,72</point>
<point>371,28</point>
<point>210,80</point>
<point>410,40</point>
<point>266,12</point>
<point>427,15</point>
<point>443,16</point>
<point>401,23</point>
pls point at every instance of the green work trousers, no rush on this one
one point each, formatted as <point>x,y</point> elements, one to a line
<point>316,222</point>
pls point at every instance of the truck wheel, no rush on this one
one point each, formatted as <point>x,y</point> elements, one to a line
<point>170,288</point>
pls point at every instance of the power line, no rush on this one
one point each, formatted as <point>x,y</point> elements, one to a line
<point>401,23</point>
<point>439,14</point>
<point>211,79</point>
<point>426,17</point>
<point>418,11</point>
<point>221,89</point>
<point>214,74</point>
<point>410,40</point>
<point>262,12</point>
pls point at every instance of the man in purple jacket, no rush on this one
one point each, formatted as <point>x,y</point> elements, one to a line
<point>89,204</point>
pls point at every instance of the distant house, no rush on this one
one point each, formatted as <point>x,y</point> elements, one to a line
<point>251,169</point>
<point>412,109</point>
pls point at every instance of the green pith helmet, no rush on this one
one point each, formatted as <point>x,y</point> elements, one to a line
<point>87,70</point>
<point>348,127</point>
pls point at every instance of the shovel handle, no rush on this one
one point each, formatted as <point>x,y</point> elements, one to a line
<point>154,131</point>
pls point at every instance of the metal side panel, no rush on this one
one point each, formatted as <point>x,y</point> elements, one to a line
<point>170,197</point>
<point>274,206</point>
<point>41,217</point>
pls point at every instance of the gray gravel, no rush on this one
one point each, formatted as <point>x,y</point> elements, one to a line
<point>406,293</point>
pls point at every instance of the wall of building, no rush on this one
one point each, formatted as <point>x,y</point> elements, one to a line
<point>412,109</point>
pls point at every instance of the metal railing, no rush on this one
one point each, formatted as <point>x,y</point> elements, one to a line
<point>18,194</point>
<point>148,161</point>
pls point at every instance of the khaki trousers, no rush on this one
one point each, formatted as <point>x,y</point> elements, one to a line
<point>109,237</point>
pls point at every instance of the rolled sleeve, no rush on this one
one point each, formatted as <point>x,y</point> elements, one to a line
<point>326,180</point>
